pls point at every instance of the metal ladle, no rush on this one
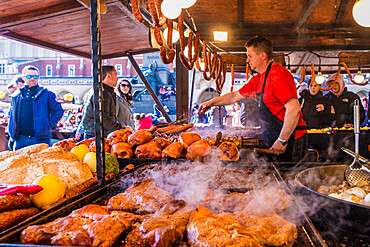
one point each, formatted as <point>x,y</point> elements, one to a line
<point>357,174</point>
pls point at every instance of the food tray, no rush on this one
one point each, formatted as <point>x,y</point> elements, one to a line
<point>307,234</point>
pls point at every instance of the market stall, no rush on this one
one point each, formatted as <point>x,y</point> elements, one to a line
<point>110,34</point>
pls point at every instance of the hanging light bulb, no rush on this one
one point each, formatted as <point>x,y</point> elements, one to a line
<point>171,9</point>
<point>319,78</point>
<point>359,77</point>
<point>361,14</point>
<point>186,3</point>
<point>175,35</point>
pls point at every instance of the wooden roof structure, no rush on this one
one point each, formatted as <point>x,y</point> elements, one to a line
<point>298,26</point>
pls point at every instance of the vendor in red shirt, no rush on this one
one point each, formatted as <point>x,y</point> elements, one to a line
<point>275,91</point>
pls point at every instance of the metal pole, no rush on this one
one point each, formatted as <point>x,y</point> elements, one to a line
<point>192,93</point>
<point>147,85</point>
<point>98,90</point>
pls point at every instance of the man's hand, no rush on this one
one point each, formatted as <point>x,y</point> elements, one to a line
<point>278,148</point>
<point>204,107</point>
<point>320,107</point>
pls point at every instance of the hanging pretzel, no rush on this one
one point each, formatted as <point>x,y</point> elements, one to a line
<point>303,75</point>
<point>155,10</point>
<point>136,10</point>
<point>350,75</point>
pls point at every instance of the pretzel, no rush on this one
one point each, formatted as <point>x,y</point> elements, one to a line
<point>136,10</point>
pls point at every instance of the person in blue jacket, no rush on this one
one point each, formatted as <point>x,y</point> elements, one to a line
<point>33,112</point>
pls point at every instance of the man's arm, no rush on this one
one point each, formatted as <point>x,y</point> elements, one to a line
<point>290,123</point>
<point>226,99</point>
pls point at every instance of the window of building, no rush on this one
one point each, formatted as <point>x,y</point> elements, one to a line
<point>118,68</point>
<point>2,68</point>
<point>71,70</point>
<point>49,70</point>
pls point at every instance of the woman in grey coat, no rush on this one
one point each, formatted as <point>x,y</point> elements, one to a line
<point>124,112</point>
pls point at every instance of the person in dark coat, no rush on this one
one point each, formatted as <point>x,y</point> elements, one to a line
<point>343,102</point>
<point>317,110</point>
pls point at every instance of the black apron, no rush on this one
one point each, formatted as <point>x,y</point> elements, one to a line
<point>271,125</point>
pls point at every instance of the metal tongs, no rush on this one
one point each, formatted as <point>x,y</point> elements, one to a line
<point>357,174</point>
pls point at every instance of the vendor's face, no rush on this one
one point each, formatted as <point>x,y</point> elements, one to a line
<point>314,88</point>
<point>254,59</point>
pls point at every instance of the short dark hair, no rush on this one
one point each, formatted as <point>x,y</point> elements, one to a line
<point>29,67</point>
<point>107,69</point>
<point>261,44</point>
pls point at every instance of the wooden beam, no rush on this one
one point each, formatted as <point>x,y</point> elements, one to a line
<point>241,14</point>
<point>43,44</point>
<point>306,13</point>
<point>340,12</point>
<point>42,13</point>
<point>354,58</point>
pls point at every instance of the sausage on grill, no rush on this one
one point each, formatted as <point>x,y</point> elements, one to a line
<point>16,201</point>
<point>13,217</point>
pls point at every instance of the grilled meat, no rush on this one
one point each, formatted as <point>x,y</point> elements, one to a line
<point>140,137</point>
<point>150,150</point>
<point>90,225</point>
<point>206,228</point>
<point>227,151</point>
<point>122,150</point>
<point>9,202</point>
<point>118,136</point>
<point>13,217</point>
<point>189,138</point>
<point>198,149</point>
<point>271,229</point>
<point>173,151</point>
<point>163,143</point>
<point>142,197</point>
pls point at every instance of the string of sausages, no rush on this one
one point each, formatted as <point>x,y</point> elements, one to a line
<point>213,62</point>
<point>159,20</point>
<point>303,75</point>
<point>350,75</point>
<point>313,77</point>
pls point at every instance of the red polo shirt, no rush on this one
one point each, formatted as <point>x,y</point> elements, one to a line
<point>279,88</point>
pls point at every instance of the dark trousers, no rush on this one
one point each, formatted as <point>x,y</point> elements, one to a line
<point>300,148</point>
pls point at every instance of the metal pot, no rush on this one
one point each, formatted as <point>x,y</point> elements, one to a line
<point>336,212</point>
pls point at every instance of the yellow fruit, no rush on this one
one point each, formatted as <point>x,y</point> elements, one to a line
<point>53,191</point>
<point>90,160</point>
<point>80,151</point>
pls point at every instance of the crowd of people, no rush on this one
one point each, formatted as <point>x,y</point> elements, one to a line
<point>35,111</point>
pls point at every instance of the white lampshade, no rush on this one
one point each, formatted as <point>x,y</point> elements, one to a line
<point>319,78</point>
<point>220,35</point>
<point>175,35</point>
<point>186,3</point>
<point>171,9</point>
<point>359,77</point>
<point>361,13</point>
